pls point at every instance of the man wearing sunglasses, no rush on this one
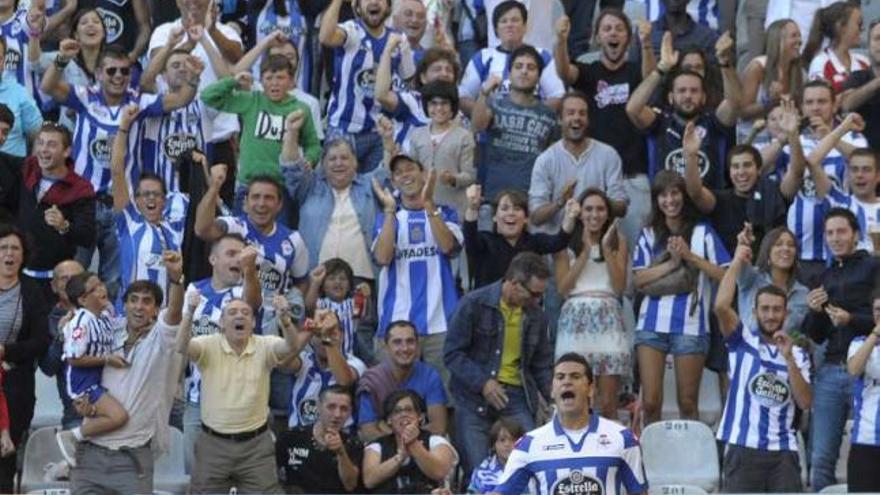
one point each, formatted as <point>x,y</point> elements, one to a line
<point>147,224</point>
<point>99,112</point>
<point>498,355</point>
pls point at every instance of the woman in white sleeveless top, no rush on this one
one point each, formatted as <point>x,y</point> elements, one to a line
<point>591,276</point>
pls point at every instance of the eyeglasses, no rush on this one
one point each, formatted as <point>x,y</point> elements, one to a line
<point>111,71</point>
<point>148,194</point>
<point>532,293</point>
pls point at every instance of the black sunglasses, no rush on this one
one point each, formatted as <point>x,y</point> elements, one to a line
<point>111,71</point>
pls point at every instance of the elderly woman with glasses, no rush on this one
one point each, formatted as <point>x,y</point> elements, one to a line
<point>410,459</point>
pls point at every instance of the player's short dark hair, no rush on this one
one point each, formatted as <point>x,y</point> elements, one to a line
<point>336,389</point>
<point>574,357</point>
<point>866,153</point>
<point>817,83</point>
<point>116,52</point>
<point>266,179</point>
<point>277,63</point>
<point>770,290</point>
<point>227,237</point>
<point>151,176</point>
<point>525,51</point>
<point>743,149</point>
<point>849,216</point>
<point>576,95</point>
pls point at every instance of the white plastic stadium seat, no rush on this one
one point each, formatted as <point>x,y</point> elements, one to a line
<point>48,409</point>
<point>680,452</point>
<point>168,473</point>
<point>841,488</point>
<point>40,449</point>
<point>710,395</point>
<point>675,490</point>
<point>840,470</point>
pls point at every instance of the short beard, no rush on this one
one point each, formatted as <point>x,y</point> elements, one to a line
<point>688,115</point>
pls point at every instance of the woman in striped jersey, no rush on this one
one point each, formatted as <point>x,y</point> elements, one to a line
<point>862,474</point>
<point>677,256</point>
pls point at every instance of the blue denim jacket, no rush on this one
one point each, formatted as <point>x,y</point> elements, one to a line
<point>475,340</point>
<point>313,194</point>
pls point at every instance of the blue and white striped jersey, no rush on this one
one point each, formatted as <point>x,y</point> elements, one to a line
<point>868,215</point>
<point>418,285</point>
<point>686,313</point>
<point>141,244</point>
<point>87,334</point>
<point>294,26</point>
<point>96,124</point>
<point>15,33</point>
<point>490,61</point>
<point>310,381</point>
<point>866,398</point>
<point>206,321</point>
<point>485,477</point>
<point>352,108</point>
<point>282,260</point>
<point>166,137</point>
<point>760,408</point>
<point>345,312</point>
<point>605,459</point>
<point>705,12</point>
<point>806,213</point>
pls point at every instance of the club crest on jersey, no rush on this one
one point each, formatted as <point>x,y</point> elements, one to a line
<point>99,149</point>
<point>179,143</point>
<point>78,333</point>
<point>769,390</point>
<point>604,440</point>
<point>286,247</point>
<point>112,23</point>
<point>308,411</point>
<point>154,260</point>
<point>15,28</point>
<point>578,483</point>
<point>675,162</point>
<point>366,81</point>
<point>204,326</point>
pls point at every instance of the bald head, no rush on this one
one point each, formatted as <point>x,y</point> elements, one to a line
<point>61,274</point>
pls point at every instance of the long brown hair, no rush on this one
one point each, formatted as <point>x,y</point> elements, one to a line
<point>667,179</point>
<point>577,242</point>
<point>773,50</point>
<point>827,23</point>
<point>767,243</point>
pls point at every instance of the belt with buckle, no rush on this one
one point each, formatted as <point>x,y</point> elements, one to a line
<point>236,437</point>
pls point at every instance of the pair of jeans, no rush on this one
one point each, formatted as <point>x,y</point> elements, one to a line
<point>107,244</point>
<point>474,421</point>
<point>832,397</point>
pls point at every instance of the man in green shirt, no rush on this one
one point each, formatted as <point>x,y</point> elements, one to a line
<point>262,114</point>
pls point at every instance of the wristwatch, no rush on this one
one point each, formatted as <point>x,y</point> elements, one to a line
<point>435,213</point>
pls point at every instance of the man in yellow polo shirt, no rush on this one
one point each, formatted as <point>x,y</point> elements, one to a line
<point>234,447</point>
<point>498,355</point>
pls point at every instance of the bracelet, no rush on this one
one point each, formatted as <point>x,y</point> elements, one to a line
<point>64,228</point>
<point>61,62</point>
<point>725,65</point>
<point>661,71</point>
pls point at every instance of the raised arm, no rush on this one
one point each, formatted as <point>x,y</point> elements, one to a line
<point>725,301</point>
<point>566,70</point>
<point>794,174</point>
<point>56,21</point>
<point>119,183</point>
<point>481,115</point>
<point>383,93</point>
<point>637,108</point>
<point>330,34</point>
<point>53,83</point>
<point>251,56</point>
<point>728,110</point>
<point>142,19</point>
<point>649,61</point>
<point>854,99</point>
<point>444,237</point>
<point>206,227</point>
<point>701,195</point>
<point>159,59</point>
<point>383,251</point>
<point>856,364</point>
<point>173,261</point>
<point>831,140</point>
<point>295,338</point>
<point>230,49</point>
<point>184,334</point>
<point>252,291</point>
<point>187,91</point>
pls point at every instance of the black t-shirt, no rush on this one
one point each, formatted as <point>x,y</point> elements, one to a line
<point>119,20</point>
<point>308,467</point>
<point>870,111</point>
<point>608,92</point>
<point>765,209</point>
<point>665,151</point>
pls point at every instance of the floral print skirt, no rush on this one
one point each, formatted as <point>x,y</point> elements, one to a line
<point>593,327</point>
